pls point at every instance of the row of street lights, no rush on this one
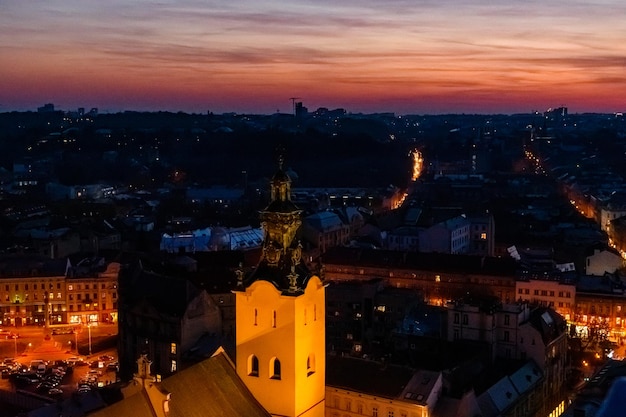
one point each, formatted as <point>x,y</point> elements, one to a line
<point>15,336</point>
<point>76,339</point>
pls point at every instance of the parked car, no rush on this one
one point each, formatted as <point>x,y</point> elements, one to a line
<point>26,379</point>
<point>75,361</point>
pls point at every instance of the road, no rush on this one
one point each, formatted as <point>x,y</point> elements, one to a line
<point>39,343</point>
<point>31,338</point>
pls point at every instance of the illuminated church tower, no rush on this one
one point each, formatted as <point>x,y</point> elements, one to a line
<point>280,317</point>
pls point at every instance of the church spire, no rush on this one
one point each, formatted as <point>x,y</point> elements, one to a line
<point>281,262</point>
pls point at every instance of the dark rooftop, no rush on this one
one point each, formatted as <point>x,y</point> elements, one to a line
<point>365,376</point>
<point>440,262</point>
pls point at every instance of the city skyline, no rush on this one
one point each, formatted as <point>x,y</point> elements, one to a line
<point>470,56</point>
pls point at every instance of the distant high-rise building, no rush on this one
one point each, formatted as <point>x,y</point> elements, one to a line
<point>301,111</point>
<point>46,108</point>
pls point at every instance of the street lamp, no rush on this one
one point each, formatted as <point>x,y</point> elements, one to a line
<point>89,329</point>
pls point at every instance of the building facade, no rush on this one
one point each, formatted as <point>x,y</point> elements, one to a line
<point>35,291</point>
<point>439,277</point>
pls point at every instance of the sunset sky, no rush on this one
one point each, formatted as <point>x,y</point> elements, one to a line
<point>251,56</point>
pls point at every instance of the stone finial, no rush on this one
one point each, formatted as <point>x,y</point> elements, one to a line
<point>239,273</point>
<point>293,280</point>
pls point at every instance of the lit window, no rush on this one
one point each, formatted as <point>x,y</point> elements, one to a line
<point>69,287</point>
<point>173,348</point>
<point>483,236</point>
<point>58,295</point>
<point>173,366</point>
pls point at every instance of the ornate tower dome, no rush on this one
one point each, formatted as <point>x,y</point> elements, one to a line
<point>281,262</point>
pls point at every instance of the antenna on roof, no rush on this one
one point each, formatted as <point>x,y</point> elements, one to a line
<point>293,104</point>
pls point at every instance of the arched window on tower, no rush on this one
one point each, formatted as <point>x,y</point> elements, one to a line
<point>253,365</point>
<point>274,319</point>
<point>310,365</point>
<point>274,368</point>
<point>314,312</point>
<point>256,316</point>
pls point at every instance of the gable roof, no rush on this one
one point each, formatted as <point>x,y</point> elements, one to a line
<point>526,377</point>
<point>325,220</point>
<point>502,394</point>
<point>548,323</point>
<point>137,405</point>
<point>208,388</point>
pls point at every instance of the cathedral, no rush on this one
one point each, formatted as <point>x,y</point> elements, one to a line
<point>279,369</point>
